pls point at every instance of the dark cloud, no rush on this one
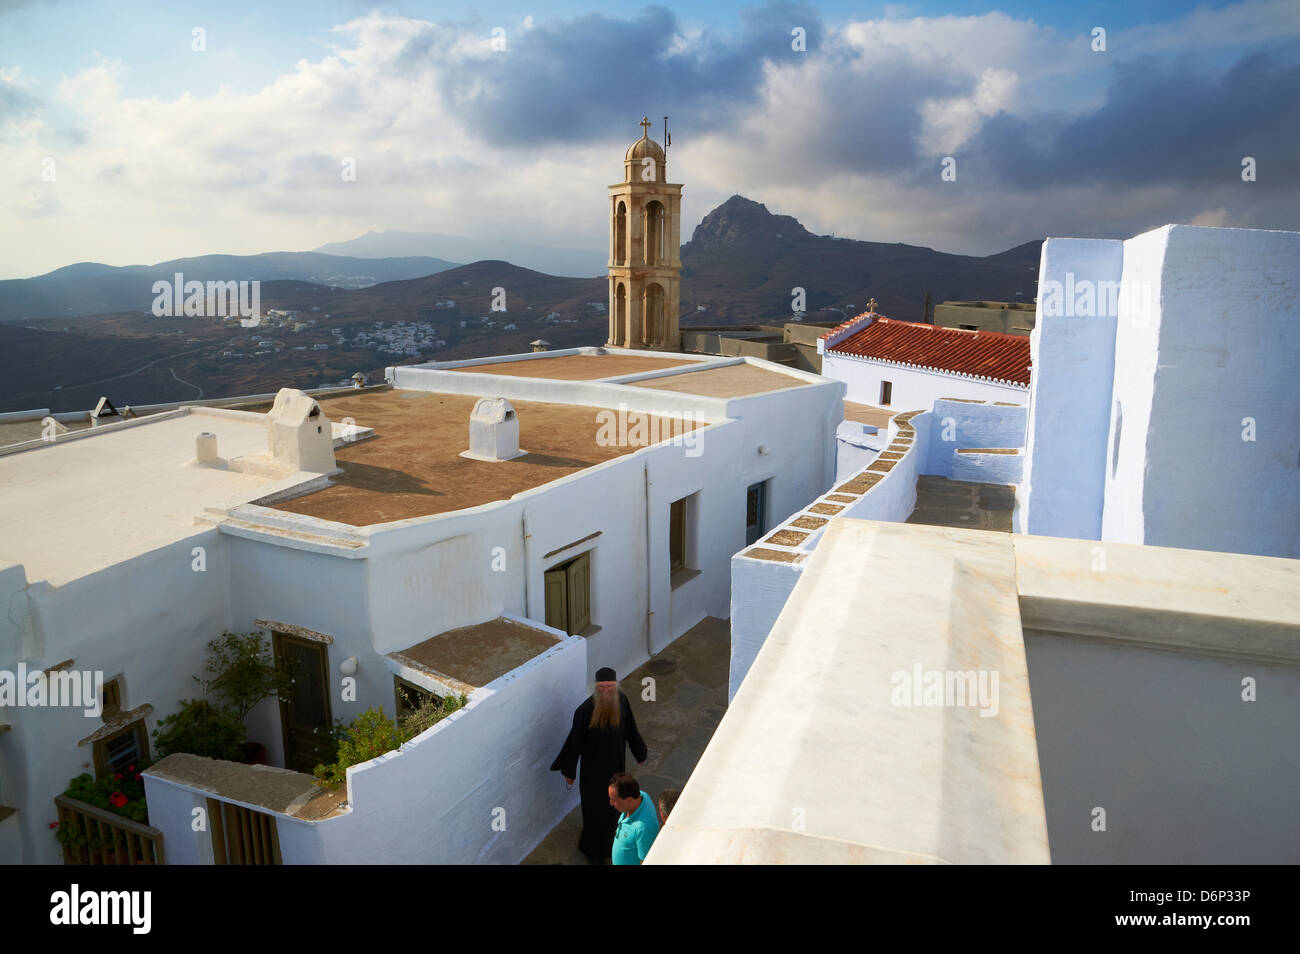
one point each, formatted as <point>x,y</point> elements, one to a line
<point>1163,123</point>
<point>573,80</point>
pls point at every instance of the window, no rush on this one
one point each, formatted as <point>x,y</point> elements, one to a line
<point>886,392</point>
<point>112,700</point>
<point>568,595</point>
<point>969,327</point>
<point>677,535</point>
<point>119,751</point>
<point>755,512</point>
<point>410,696</point>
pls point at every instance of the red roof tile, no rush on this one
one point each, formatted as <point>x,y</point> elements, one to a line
<point>984,354</point>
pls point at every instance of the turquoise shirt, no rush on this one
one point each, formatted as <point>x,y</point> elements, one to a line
<point>636,833</point>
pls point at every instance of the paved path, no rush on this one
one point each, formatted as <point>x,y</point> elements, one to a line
<point>941,502</point>
<point>690,683</point>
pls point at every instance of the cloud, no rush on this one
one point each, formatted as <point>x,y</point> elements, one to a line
<point>448,134</point>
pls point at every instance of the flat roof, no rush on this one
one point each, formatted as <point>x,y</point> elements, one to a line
<point>733,380</point>
<point>79,505</point>
<point>867,414</point>
<point>413,467</point>
<point>473,656</point>
<point>577,367</point>
<point>878,777</point>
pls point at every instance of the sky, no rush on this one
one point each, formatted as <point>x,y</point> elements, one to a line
<point>133,132</point>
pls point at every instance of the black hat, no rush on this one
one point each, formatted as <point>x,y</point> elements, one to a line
<point>605,674</point>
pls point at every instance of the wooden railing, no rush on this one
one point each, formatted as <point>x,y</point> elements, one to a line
<point>108,839</point>
<point>241,836</point>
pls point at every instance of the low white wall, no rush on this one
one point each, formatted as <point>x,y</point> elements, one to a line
<point>857,445</point>
<point>759,591</point>
<point>987,468</point>
<point>436,801</point>
<point>960,424</point>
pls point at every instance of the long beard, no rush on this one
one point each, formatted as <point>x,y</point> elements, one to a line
<point>606,711</point>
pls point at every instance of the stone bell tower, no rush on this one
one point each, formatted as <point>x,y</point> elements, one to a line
<point>645,251</point>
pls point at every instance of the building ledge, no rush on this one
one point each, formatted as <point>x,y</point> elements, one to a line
<point>682,576</point>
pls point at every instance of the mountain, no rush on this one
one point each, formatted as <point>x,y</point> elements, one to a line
<point>743,262</point>
<point>583,263</point>
<point>89,288</point>
<point>741,265</point>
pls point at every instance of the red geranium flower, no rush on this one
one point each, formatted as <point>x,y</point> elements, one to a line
<point>130,768</point>
<point>54,825</point>
<point>118,799</point>
<point>117,776</point>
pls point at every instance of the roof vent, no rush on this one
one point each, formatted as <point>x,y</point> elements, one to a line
<point>493,431</point>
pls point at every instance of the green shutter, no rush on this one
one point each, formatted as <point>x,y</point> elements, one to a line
<point>579,592</point>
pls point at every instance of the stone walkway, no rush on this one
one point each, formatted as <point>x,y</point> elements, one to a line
<point>690,699</point>
<point>941,502</point>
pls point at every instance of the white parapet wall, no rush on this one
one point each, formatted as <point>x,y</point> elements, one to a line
<point>1072,351</point>
<point>764,575</point>
<point>958,424</point>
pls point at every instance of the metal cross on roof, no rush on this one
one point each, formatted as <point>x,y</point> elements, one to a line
<point>871,306</point>
<point>645,127</point>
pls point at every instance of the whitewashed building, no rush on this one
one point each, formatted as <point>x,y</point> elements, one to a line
<point>386,557</point>
<point>904,364</point>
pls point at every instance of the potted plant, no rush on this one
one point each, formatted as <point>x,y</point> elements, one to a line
<point>121,793</point>
<point>242,671</point>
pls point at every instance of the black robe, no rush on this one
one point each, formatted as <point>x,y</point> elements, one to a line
<point>603,752</point>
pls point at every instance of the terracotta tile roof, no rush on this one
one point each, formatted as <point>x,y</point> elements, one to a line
<point>982,354</point>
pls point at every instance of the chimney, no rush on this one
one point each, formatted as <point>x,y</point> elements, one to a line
<point>540,345</point>
<point>205,447</point>
<point>493,431</point>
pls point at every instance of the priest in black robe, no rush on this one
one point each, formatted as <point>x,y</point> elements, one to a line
<point>603,730</point>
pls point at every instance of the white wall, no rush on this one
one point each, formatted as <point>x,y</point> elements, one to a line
<point>914,389</point>
<point>474,789</point>
<point>146,621</point>
<point>1186,771</point>
<point>957,424</point>
<point>1073,355</point>
<point>1221,350</point>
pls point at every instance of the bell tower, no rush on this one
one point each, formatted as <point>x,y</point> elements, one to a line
<point>645,251</point>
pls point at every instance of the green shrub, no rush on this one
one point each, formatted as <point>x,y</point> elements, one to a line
<point>201,728</point>
<point>242,671</point>
<point>430,712</point>
<point>372,734</point>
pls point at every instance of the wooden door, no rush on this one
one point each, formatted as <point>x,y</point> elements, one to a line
<point>755,512</point>
<point>305,715</point>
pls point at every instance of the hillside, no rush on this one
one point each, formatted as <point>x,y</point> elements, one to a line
<point>740,265</point>
<point>89,288</point>
<point>742,262</point>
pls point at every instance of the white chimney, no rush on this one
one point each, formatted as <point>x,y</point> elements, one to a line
<point>493,431</point>
<point>205,447</point>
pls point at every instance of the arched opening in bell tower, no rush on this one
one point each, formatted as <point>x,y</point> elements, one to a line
<point>654,314</point>
<point>620,314</point>
<point>654,233</point>
<point>620,235</point>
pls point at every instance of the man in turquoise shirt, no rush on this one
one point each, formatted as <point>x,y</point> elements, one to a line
<point>638,824</point>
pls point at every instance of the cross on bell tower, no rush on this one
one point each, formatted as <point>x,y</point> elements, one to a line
<point>645,251</point>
